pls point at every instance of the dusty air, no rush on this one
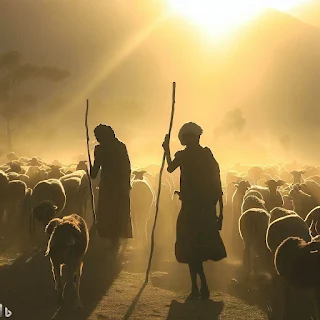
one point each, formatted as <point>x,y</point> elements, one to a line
<point>159,159</point>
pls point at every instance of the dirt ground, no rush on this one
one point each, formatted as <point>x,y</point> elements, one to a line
<point>112,287</point>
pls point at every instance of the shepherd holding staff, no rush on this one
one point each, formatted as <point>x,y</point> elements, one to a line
<point>113,211</point>
<point>197,234</point>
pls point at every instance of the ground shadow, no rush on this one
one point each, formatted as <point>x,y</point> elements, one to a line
<point>27,287</point>
<point>264,292</point>
<point>204,310</point>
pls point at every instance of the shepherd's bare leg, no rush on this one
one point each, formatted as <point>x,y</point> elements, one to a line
<point>204,291</point>
<point>194,294</point>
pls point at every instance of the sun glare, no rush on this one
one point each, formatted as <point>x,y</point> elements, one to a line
<point>220,17</point>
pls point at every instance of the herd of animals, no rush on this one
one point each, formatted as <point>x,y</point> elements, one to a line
<point>271,217</point>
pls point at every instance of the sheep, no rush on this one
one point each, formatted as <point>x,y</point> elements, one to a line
<point>34,175</point>
<point>298,262</point>
<point>311,219</point>
<point>297,176</point>
<point>253,225</point>
<point>52,190</point>
<point>303,203</point>
<point>67,246</point>
<point>142,199</point>
<point>312,188</point>
<point>55,172</point>
<point>275,198</point>
<point>237,199</point>
<point>251,192</point>
<point>264,191</point>
<point>14,166</point>
<point>250,202</point>
<point>77,190</point>
<point>47,197</point>
<point>35,162</point>
<point>282,228</point>
<point>13,175</point>
<point>279,212</point>
<point>82,165</point>
<point>271,194</point>
<point>231,180</point>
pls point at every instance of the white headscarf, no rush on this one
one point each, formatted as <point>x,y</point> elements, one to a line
<point>190,127</point>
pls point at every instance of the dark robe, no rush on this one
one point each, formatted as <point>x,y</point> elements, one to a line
<point>197,234</point>
<point>113,212</point>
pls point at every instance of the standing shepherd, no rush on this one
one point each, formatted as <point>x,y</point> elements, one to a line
<point>197,234</point>
<point>113,212</point>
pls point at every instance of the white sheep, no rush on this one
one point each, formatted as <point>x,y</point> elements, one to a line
<point>250,202</point>
<point>142,200</point>
<point>285,227</point>
<point>67,246</point>
<point>237,199</point>
<point>303,203</point>
<point>279,212</point>
<point>253,225</point>
<point>251,192</point>
<point>77,190</point>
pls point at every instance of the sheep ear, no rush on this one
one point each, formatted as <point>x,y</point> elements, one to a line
<point>280,183</point>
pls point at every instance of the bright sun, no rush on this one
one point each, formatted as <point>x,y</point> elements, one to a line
<point>220,17</point>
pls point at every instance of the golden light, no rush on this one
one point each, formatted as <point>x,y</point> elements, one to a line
<point>221,17</point>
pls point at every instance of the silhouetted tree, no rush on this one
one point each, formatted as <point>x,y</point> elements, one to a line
<point>13,73</point>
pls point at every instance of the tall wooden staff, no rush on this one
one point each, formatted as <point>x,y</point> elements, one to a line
<point>159,185</point>
<point>90,164</point>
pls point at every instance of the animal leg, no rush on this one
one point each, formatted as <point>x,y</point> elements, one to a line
<point>56,272</point>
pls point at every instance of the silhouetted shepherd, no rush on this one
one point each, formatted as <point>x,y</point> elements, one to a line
<point>197,234</point>
<point>113,212</point>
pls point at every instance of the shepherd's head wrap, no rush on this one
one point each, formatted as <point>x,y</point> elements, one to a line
<point>190,128</point>
<point>103,131</point>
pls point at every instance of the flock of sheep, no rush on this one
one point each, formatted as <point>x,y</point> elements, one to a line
<point>275,225</point>
<point>51,203</point>
<point>272,217</point>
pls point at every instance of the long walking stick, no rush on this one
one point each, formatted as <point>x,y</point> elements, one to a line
<point>90,164</point>
<point>159,185</point>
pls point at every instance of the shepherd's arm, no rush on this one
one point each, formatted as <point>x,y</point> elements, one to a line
<point>172,164</point>
<point>94,170</point>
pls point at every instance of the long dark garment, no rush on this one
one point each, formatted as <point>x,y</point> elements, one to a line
<point>113,212</point>
<point>198,237</point>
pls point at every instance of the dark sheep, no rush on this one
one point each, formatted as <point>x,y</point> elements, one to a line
<point>67,246</point>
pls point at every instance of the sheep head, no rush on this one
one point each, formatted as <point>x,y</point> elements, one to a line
<point>138,175</point>
<point>242,186</point>
<point>45,211</point>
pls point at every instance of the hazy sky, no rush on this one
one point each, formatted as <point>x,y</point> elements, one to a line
<point>250,93</point>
